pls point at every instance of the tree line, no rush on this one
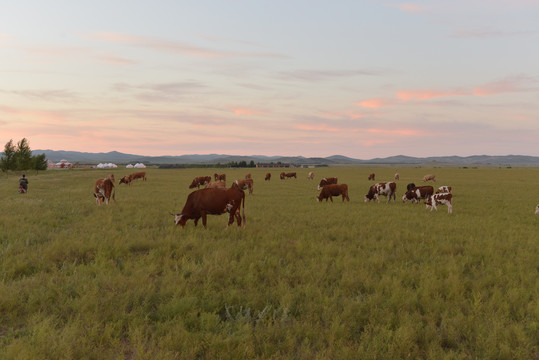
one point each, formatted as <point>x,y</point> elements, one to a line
<point>19,158</point>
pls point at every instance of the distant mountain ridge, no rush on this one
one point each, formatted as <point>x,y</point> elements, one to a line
<point>122,158</point>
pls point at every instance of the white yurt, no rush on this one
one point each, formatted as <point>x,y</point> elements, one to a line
<point>139,166</point>
<point>129,166</point>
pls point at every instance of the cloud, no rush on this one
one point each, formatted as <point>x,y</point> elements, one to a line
<point>116,60</point>
<point>513,84</point>
<point>176,47</point>
<point>161,92</point>
<point>58,95</point>
<point>321,75</point>
<point>247,111</point>
<point>420,95</point>
<point>374,103</point>
<point>411,7</point>
<point>491,33</point>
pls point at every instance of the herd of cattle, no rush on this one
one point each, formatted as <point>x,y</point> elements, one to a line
<point>216,199</point>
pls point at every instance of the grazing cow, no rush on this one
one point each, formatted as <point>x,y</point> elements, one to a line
<point>443,189</point>
<point>216,185</point>
<point>248,176</point>
<point>291,175</point>
<point>440,199</point>
<point>384,188</point>
<point>203,202</point>
<point>219,177</point>
<point>125,180</point>
<point>410,186</point>
<point>138,175</point>
<point>245,184</point>
<point>282,175</point>
<point>104,190</point>
<point>429,177</point>
<point>268,176</point>
<point>331,190</point>
<point>418,193</point>
<point>397,176</point>
<point>537,210</point>
<point>327,181</point>
<point>310,176</point>
<point>371,177</point>
<point>200,181</point>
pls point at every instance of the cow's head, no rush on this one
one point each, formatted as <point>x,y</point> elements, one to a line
<point>179,219</point>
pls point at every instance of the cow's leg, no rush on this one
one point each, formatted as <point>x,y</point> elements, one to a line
<point>330,198</point>
<point>196,221</point>
<point>204,219</point>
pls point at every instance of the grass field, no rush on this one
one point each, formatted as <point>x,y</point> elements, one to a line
<point>302,280</point>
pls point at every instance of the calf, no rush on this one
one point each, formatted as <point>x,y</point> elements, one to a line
<point>327,181</point>
<point>384,188</point>
<point>441,198</point>
<point>397,176</point>
<point>331,190</point>
<point>282,175</point>
<point>429,177</point>
<point>203,202</point>
<point>371,177</point>
<point>417,193</point>
<point>443,189</point>
<point>310,176</point>
<point>268,176</point>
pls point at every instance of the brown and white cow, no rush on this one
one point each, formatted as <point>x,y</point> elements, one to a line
<point>245,184</point>
<point>203,202</point>
<point>410,186</point>
<point>417,193</point>
<point>310,176</point>
<point>104,190</point>
<point>216,185</point>
<point>290,175</point>
<point>443,189</point>
<point>371,177</point>
<point>331,190</point>
<point>383,188</point>
<point>200,181</point>
<point>268,176</point>
<point>429,177</point>
<point>397,176</point>
<point>138,175</point>
<point>125,180</point>
<point>440,199</point>
<point>219,177</point>
<point>327,181</point>
<point>282,175</point>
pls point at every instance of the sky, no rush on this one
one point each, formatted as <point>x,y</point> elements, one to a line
<point>362,78</point>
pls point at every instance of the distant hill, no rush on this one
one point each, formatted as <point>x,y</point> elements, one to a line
<point>121,158</point>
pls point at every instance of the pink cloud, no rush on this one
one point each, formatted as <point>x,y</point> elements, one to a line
<point>498,87</point>
<point>420,95</point>
<point>247,111</point>
<point>117,60</point>
<point>374,103</point>
<point>411,7</point>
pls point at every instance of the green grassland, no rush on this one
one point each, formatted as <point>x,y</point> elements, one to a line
<point>302,280</point>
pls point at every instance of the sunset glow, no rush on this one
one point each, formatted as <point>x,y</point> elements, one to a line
<point>209,77</point>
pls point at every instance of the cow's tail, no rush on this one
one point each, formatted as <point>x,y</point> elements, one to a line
<point>243,210</point>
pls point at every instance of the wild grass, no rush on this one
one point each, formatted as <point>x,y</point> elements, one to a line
<point>303,280</point>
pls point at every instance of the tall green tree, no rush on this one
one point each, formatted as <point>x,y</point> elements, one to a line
<point>7,162</point>
<point>39,162</point>
<point>23,155</point>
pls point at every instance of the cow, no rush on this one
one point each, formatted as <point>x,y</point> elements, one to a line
<point>219,177</point>
<point>200,181</point>
<point>104,190</point>
<point>440,198</point>
<point>282,175</point>
<point>537,210</point>
<point>397,176</point>
<point>327,181</point>
<point>248,176</point>
<point>291,175</point>
<point>331,190</point>
<point>371,177</point>
<point>429,177</point>
<point>417,193</point>
<point>384,188</point>
<point>245,184</point>
<point>216,185</point>
<point>443,189</point>
<point>138,175</point>
<point>310,176</point>
<point>203,202</point>
<point>268,176</point>
<point>410,186</point>
<point>125,180</point>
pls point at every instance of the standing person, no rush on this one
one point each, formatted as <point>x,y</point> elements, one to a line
<point>23,183</point>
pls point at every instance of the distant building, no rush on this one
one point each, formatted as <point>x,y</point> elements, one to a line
<point>272,165</point>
